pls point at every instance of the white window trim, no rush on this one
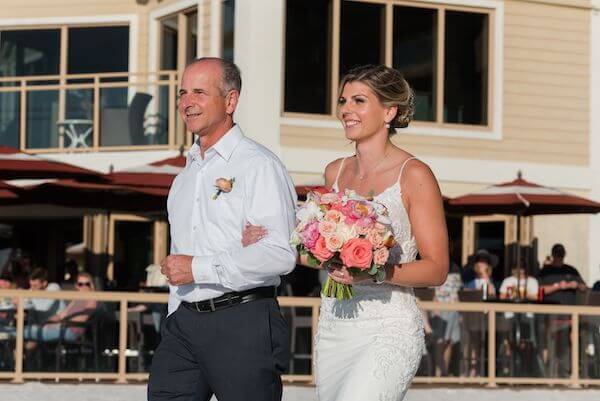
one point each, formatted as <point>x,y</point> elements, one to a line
<point>130,19</point>
<point>153,24</point>
<point>424,130</point>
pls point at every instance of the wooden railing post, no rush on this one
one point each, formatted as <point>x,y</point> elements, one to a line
<point>18,377</point>
<point>491,329</point>
<point>575,350</point>
<point>122,371</point>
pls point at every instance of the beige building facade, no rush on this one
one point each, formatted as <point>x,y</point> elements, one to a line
<point>502,87</point>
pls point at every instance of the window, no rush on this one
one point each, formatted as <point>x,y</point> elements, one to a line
<point>307,56</point>
<point>466,68</point>
<point>447,67</point>
<point>34,52</point>
<point>362,27</point>
<point>27,53</point>
<point>228,30</point>
<point>414,53</point>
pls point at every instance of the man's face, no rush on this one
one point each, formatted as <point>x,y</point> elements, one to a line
<point>38,284</point>
<point>202,106</point>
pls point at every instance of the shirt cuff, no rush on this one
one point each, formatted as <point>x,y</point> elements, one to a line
<point>203,270</point>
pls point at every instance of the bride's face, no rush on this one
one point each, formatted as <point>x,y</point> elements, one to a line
<point>360,111</point>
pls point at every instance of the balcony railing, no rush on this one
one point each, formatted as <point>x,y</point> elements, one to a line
<point>89,112</point>
<point>499,343</point>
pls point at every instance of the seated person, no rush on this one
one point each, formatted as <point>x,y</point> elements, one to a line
<point>483,275</point>
<point>7,305</point>
<point>50,331</point>
<point>527,286</point>
<point>559,280</point>
<point>40,309</point>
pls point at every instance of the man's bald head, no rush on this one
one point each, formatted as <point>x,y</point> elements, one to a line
<point>231,78</point>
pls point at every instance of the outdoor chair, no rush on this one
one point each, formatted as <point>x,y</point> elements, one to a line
<point>125,126</point>
<point>473,335</point>
<point>84,347</point>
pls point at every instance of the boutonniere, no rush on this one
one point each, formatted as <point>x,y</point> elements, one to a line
<point>223,185</point>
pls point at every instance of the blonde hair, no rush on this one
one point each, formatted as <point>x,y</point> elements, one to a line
<point>391,89</point>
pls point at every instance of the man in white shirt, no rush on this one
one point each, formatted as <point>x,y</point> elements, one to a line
<point>224,334</point>
<point>40,309</point>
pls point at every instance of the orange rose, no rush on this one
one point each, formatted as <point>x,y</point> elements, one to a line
<point>224,185</point>
<point>320,251</point>
<point>358,253</point>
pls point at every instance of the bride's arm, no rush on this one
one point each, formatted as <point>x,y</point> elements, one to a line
<point>426,214</point>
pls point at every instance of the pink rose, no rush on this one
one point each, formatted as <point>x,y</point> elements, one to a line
<point>357,253</point>
<point>326,228</point>
<point>381,256</point>
<point>334,216</point>
<point>328,198</point>
<point>375,238</point>
<point>334,242</point>
<point>310,235</point>
<point>365,222</point>
<point>320,251</point>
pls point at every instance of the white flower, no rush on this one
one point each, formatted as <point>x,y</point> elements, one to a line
<point>309,211</point>
<point>295,239</point>
<point>346,232</point>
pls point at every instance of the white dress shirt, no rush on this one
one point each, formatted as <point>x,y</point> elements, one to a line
<point>210,229</point>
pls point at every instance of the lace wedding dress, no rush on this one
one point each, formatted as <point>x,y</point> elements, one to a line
<point>369,348</point>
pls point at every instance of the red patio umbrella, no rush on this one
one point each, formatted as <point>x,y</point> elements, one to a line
<point>158,174</point>
<point>522,198</point>
<point>91,195</point>
<point>15,164</point>
<point>8,192</point>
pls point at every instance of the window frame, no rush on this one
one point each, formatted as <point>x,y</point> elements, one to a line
<point>491,130</point>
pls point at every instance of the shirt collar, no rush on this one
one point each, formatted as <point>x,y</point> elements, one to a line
<point>224,147</point>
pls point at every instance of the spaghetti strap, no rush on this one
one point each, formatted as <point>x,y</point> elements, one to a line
<point>337,177</point>
<point>402,168</point>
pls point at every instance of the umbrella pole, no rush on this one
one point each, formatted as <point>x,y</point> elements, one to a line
<point>518,261</point>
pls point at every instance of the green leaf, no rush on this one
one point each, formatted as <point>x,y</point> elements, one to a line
<point>314,262</point>
<point>373,270</point>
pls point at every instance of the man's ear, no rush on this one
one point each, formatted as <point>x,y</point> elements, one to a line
<point>231,101</point>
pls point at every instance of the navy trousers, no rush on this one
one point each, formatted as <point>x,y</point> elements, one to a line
<point>237,354</point>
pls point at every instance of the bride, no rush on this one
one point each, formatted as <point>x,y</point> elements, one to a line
<point>369,347</point>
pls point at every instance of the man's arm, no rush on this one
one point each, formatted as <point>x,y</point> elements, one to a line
<point>270,202</point>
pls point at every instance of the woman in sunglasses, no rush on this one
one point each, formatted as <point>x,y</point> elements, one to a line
<point>77,312</point>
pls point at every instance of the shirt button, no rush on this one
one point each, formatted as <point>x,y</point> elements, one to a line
<point>194,228</point>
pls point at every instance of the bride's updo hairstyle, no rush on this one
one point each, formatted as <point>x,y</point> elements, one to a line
<point>391,89</point>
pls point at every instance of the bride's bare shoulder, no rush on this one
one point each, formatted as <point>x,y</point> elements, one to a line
<point>331,171</point>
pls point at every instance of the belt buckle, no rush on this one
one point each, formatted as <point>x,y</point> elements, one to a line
<point>211,303</point>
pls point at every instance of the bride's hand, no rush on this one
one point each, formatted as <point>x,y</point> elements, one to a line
<point>341,274</point>
<point>252,234</point>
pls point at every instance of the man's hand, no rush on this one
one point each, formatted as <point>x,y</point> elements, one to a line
<point>178,269</point>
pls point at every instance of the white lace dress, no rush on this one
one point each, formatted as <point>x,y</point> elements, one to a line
<point>369,348</point>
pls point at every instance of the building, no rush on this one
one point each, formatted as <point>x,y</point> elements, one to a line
<point>501,86</point>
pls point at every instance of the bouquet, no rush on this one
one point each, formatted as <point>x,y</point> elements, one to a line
<point>344,228</point>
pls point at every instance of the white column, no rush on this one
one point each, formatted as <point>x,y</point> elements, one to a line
<point>594,238</point>
<point>258,52</point>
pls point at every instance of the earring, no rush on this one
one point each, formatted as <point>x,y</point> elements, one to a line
<point>387,125</point>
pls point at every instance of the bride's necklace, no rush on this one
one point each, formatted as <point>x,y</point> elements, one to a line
<point>361,176</point>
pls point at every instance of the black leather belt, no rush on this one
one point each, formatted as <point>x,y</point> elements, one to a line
<point>231,299</point>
